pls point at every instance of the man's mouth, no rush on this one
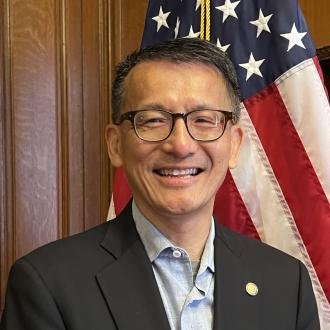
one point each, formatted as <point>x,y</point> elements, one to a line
<point>178,172</point>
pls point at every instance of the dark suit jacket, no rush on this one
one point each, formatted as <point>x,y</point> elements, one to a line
<point>102,279</point>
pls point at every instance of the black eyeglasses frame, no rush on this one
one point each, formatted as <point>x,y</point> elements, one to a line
<point>130,116</point>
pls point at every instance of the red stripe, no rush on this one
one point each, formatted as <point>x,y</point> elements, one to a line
<point>230,210</point>
<point>296,176</point>
<point>121,191</point>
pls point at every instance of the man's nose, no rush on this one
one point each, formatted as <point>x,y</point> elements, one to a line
<point>180,143</point>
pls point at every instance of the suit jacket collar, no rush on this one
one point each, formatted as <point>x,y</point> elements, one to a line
<point>128,283</point>
<point>131,291</point>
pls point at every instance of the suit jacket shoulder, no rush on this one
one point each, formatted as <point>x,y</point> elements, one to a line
<point>99,279</point>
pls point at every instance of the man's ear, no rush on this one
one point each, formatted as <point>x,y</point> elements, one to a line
<point>113,138</point>
<point>236,134</point>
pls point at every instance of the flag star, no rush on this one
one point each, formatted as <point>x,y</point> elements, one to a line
<point>161,18</point>
<point>192,34</point>
<point>198,4</point>
<point>294,37</point>
<point>262,23</point>
<point>252,67</point>
<point>176,30</point>
<point>228,9</point>
<point>222,47</point>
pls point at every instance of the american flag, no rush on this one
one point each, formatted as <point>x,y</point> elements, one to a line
<point>280,191</point>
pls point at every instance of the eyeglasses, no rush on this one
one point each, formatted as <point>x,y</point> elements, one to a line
<point>157,125</point>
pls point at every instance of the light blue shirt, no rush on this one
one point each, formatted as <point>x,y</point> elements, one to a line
<point>188,302</point>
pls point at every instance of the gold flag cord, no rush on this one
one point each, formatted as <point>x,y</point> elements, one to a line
<point>208,20</point>
<point>202,34</point>
<point>205,20</point>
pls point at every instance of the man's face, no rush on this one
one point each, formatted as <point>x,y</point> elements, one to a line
<point>170,193</point>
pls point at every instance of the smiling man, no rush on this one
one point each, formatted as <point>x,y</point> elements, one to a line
<point>175,164</point>
<point>164,263</point>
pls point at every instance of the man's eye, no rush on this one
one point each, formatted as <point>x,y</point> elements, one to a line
<point>151,122</point>
<point>208,121</point>
<point>205,121</point>
<point>155,120</point>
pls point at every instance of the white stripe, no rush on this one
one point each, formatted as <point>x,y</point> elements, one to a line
<point>111,211</point>
<point>303,94</point>
<point>268,209</point>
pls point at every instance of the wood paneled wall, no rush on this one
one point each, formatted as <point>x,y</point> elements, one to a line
<point>317,16</point>
<point>57,58</point>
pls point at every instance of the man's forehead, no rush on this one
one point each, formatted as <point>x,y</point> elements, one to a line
<point>145,66</point>
<point>155,80</point>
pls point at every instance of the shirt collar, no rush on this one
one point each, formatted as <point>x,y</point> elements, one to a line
<point>155,242</point>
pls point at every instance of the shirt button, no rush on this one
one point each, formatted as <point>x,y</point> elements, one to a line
<point>176,254</point>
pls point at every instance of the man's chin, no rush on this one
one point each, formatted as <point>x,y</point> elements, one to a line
<point>180,208</point>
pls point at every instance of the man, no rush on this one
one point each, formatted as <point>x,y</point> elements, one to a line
<point>164,263</point>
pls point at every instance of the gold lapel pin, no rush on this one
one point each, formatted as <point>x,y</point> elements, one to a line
<point>251,288</point>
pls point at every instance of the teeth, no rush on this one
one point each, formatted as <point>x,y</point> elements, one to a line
<point>177,172</point>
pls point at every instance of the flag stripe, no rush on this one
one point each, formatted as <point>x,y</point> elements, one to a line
<point>270,213</point>
<point>122,191</point>
<point>295,175</point>
<point>230,210</point>
<point>310,116</point>
<point>319,70</point>
<point>111,212</point>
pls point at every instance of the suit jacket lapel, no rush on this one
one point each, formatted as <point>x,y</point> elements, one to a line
<point>234,308</point>
<point>128,283</point>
